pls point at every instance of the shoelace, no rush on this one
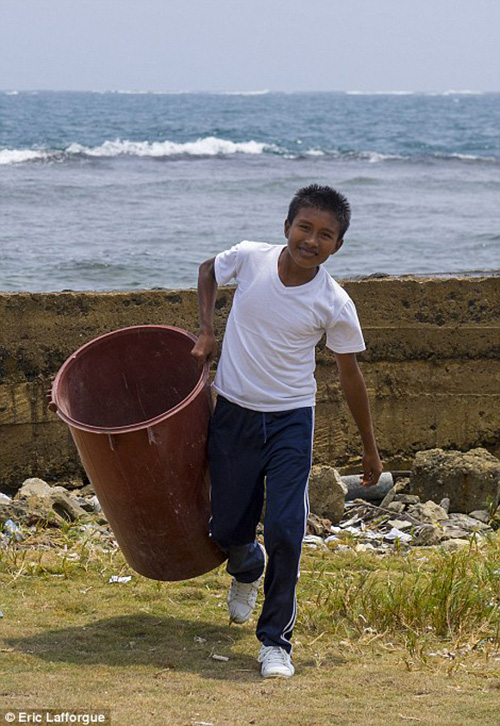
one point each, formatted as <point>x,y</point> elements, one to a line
<point>244,592</point>
<point>276,656</point>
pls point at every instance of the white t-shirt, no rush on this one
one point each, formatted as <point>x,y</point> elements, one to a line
<point>268,353</point>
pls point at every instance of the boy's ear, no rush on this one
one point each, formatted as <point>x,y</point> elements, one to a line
<point>340,242</point>
<point>287,228</point>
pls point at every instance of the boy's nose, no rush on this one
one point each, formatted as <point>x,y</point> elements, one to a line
<point>312,241</point>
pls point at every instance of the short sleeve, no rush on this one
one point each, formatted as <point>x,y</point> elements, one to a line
<point>345,335</point>
<point>226,265</point>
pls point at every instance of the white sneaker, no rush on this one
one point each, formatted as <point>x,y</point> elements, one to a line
<point>276,662</point>
<point>242,597</point>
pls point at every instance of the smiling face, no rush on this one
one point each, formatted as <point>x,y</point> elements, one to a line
<point>312,237</point>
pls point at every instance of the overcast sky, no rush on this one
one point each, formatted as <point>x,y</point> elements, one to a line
<point>308,45</point>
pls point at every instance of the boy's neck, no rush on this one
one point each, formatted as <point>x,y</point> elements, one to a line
<point>290,274</point>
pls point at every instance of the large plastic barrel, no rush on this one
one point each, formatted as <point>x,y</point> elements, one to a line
<point>138,408</point>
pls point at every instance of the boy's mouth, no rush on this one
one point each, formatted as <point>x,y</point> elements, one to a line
<point>307,252</point>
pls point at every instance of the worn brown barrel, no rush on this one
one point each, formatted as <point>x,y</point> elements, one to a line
<point>138,408</point>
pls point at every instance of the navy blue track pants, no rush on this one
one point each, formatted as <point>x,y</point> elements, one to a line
<point>247,451</point>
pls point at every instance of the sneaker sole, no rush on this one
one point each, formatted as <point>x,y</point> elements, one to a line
<point>277,675</point>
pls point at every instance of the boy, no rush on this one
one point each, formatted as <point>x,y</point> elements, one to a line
<point>262,427</point>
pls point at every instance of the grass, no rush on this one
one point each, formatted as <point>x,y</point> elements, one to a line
<point>408,637</point>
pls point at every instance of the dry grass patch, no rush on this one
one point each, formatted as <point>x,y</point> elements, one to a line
<point>403,638</point>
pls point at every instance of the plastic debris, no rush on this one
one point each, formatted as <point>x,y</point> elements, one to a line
<point>12,530</point>
<point>116,578</point>
<point>222,658</point>
<point>313,540</point>
<point>395,534</point>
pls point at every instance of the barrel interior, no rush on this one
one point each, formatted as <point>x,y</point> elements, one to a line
<point>127,378</point>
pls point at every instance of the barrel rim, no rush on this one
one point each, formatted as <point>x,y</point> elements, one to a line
<point>141,425</point>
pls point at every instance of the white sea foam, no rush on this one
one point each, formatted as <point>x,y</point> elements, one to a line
<point>264,92</point>
<point>18,156</point>
<point>380,93</point>
<point>463,92</point>
<point>207,146</point>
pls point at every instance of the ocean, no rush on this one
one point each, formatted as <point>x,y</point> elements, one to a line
<point>130,190</point>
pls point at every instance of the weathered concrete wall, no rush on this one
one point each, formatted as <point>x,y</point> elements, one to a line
<point>431,367</point>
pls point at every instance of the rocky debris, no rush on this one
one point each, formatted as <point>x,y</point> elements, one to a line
<point>39,504</point>
<point>427,512</point>
<point>318,526</point>
<point>47,501</point>
<point>401,519</point>
<point>327,493</point>
<point>481,514</point>
<point>367,526</point>
<point>399,489</point>
<point>34,487</point>
<point>470,480</point>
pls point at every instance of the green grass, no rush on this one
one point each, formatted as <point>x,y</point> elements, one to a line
<point>408,636</point>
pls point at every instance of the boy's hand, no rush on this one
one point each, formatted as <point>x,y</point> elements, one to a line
<point>372,469</point>
<point>205,348</point>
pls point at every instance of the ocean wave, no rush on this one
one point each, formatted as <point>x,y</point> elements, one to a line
<point>212,146</point>
<point>264,92</point>
<point>380,93</point>
<point>132,92</point>
<point>207,146</point>
<point>449,92</point>
<point>18,156</point>
<point>462,92</point>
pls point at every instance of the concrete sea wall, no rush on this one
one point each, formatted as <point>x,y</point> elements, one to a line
<point>431,367</point>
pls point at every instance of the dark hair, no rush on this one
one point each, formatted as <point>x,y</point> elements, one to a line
<point>324,198</point>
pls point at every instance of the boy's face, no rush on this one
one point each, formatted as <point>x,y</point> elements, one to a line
<point>312,237</point>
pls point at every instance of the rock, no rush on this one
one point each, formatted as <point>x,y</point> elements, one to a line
<point>397,507</point>
<point>396,491</point>
<point>5,499</point>
<point>34,486</point>
<point>364,547</point>
<point>427,535</point>
<point>468,523</point>
<point>445,504</point>
<point>482,515</point>
<point>402,485</point>
<point>452,545</point>
<point>407,498</point>
<point>327,493</point>
<point>318,526</point>
<point>451,532</point>
<point>66,507</point>
<point>427,512</point>
<point>399,523</point>
<point>86,491</point>
<point>24,513</point>
<point>470,480</point>
<point>389,497</point>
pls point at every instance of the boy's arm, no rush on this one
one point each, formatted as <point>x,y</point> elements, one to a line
<point>206,346</point>
<point>354,389</point>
